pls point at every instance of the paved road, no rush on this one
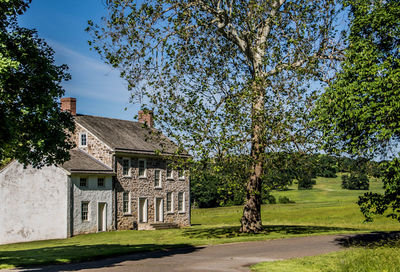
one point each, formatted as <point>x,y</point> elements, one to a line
<point>227,257</point>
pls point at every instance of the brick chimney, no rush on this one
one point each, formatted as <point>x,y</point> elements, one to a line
<point>68,104</point>
<point>146,117</point>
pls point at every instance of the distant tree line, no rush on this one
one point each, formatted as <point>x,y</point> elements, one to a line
<point>221,181</point>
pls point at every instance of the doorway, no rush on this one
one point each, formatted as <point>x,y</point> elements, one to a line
<point>102,217</point>
<point>159,210</point>
<point>142,210</point>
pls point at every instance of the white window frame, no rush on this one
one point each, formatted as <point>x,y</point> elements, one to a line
<point>172,202</point>
<point>183,174</point>
<point>129,202</point>
<point>183,202</point>
<point>145,168</point>
<point>171,176</point>
<point>159,185</point>
<point>129,167</point>
<point>87,212</point>
<point>80,139</point>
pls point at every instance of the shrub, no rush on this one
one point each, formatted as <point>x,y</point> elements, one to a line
<point>269,199</point>
<point>285,200</point>
<point>355,182</point>
<point>306,183</point>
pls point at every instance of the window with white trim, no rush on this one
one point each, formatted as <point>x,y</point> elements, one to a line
<point>83,182</point>
<point>181,174</point>
<point>85,211</point>
<point>83,139</point>
<point>170,205</point>
<point>100,182</point>
<point>126,167</point>
<point>126,201</point>
<point>157,178</point>
<point>142,168</point>
<point>181,202</point>
<point>170,174</point>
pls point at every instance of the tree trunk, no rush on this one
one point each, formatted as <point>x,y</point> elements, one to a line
<point>251,219</point>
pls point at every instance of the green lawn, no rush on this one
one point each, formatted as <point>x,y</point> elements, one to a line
<point>364,257</point>
<point>326,209</point>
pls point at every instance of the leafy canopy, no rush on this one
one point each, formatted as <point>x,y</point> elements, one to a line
<point>34,131</point>
<point>360,111</point>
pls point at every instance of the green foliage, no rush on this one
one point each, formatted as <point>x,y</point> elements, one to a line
<point>355,182</point>
<point>306,183</point>
<point>374,203</point>
<point>285,200</point>
<point>359,112</point>
<point>219,182</point>
<point>325,166</point>
<point>34,131</point>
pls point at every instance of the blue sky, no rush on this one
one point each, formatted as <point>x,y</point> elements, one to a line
<point>98,88</point>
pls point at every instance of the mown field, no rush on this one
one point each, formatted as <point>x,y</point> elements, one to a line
<point>327,209</point>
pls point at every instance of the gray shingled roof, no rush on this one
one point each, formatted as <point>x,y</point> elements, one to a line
<point>126,136</point>
<point>82,162</point>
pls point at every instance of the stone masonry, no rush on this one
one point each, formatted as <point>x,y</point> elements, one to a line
<point>139,187</point>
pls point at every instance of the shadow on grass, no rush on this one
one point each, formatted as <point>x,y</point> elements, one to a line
<point>74,253</point>
<point>371,240</point>
<point>230,232</point>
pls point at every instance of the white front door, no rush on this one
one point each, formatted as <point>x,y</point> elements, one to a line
<point>142,210</point>
<point>159,210</point>
<point>102,217</point>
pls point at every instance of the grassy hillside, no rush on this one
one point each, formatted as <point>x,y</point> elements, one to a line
<point>325,209</point>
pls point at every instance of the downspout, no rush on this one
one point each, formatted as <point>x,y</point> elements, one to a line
<point>114,181</point>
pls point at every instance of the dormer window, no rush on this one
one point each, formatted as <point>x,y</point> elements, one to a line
<point>83,139</point>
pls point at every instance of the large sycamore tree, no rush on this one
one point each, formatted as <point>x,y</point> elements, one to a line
<point>33,129</point>
<point>225,77</point>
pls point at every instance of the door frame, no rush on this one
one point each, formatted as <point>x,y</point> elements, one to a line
<point>101,216</point>
<point>158,209</point>
<point>145,212</point>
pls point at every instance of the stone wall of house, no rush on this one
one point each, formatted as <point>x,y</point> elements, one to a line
<point>144,188</point>
<point>94,147</point>
<point>93,195</point>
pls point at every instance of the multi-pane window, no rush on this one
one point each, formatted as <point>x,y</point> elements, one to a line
<point>125,167</point>
<point>181,200</point>
<point>125,201</point>
<point>181,174</point>
<point>83,182</point>
<point>169,174</point>
<point>142,168</point>
<point>83,140</point>
<point>85,211</point>
<point>157,178</point>
<point>100,182</point>
<point>169,202</point>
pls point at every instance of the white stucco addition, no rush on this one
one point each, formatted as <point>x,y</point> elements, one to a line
<point>33,203</point>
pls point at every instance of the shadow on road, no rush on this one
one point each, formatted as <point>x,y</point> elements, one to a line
<point>371,240</point>
<point>229,232</point>
<point>57,255</point>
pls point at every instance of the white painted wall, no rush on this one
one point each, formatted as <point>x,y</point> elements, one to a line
<point>33,203</point>
<point>92,194</point>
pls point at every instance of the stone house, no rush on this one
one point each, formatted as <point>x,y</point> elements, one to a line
<point>118,178</point>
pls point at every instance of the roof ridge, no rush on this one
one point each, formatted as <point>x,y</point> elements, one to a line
<point>108,118</point>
